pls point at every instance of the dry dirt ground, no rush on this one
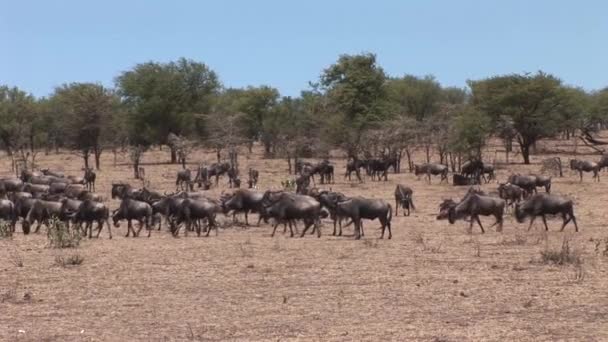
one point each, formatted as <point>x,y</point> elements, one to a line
<point>431,282</point>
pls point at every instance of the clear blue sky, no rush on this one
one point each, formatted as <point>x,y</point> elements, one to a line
<point>288,43</point>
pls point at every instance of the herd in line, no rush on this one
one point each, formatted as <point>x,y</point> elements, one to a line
<point>37,197</point>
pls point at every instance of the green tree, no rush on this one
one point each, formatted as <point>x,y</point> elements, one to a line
<point>417,97</point>
<point>530,101</point>
<point>86,112</point>
<point>164,98</point>
<point>354,87</point>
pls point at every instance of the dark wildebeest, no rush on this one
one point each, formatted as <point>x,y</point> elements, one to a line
<point>302,165</point>
<point>488,169</point>
<point>89,179</point>
<point>91,196</point>
<point>12,184</point>
<point>122,190</point>
<point>354,166</point>
<point>586,166</point>
<point>233,178</point>
<point>252,181</point>
<point>57,188</point>
<point>543,182</point>
<point>329,200</point>
<point>378,169</point>
<point>358,208</point>
<point>546,204</point>
<point>184,180</point>
<point>23,203</point>
<point>191,211</point>
<point>36,188</point>
<point>48,172</point>
<point>216,170</point>
<point>460,180</point>
<point>8,213</point>
<point>244,201</point>
<point>325,171</point>
<point>131,209</point>
<point>474,205</point>
<point>511,193</point>
<point>404,198</point>
<point>287,207</point>
<point>432,169</point>
<point>89,212</point>
<point>473,169</point>
<point>26,175</point>
<point>168,207</point>
<point>41,212</point>
<point>75,180</point>
<point>527,183</point>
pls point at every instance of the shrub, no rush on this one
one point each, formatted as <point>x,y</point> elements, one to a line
<point>564,256</point>
<point>61,237</point>
<point>72,260</point>
<point>5,230</point>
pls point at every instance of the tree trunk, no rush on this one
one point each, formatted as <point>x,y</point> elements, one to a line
<point>173,156</point>
<point>525,152</point>
<point>85,156</point>
<point>97,153</point>
<point>250,146</point>
<point>218,153</point>
<point>289,163</point>
<point>410,165</point>
<point>136,169</point>
<point>428,153</point>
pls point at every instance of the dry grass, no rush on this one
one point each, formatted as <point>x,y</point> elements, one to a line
<point>431,282</point>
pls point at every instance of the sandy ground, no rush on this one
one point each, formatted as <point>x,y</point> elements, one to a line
<point>431,282</point>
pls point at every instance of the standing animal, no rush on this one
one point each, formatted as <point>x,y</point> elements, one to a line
<point>184,180</point>
<point>12,184</point>
<point>89,179</point>
<point>358,208</point>
<point>23,203</point>
<point>41,212</point>
<point>252,181</point>
<point>286,208</point>
<point>488,169</point>
<point>527,183</point>
<point>168,207</point>
<point>473,169</point>
<point>354,165</point>
<point>474,205</point>
<point>216,170</point>
<point>8,213</point>
<point>586,166</point>
<point>89,212</point>
<point>546,204</point>
<point>244,201</point>
<point>233,178</point>
<point>36,188</point>
<point>131,209</point>
<point>48,172</point>
<point>432,169</point>
<point>543,182</point>
<point>404,198</point>
<point>191,210</point>
<point>511,193</point>
<point>122,190</point>
<point>329,200</point>
<point>378,169</point>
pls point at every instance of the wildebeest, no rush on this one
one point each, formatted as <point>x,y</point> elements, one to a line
<point>302,183</point>
<point>474,205</point>
<point>27,175</point>
<point>527,183</point>
<point>404,198</point>
<point>42,211</point>
<point>12,184</point>
<point>543,182</point>
<point>8,213</point>
<point>329,200</point>
<point>355,166</point>
<point>23,203</point>
<point>184,180</point>
<point>511,193</point>
<point>252,180</point>
<point>325,171</point>
<point>89,179</point>
<point>585,166</point>
<point>57,187</point>
<point>233,178</point>
<point>358,208</point>
<point>473,169</point>
<point>131,209</point>
<point>546,204</point>
<point>460,180</point>
<point>432,169</point>
<point>488,169</point>
<point>48,172</point>
<point>191,210</point>
<point>35,188</point>
<point>216,170</point>
<point>122,190</point>
<point>378,168</point>
<point>288,207</point>
<point>168,207</point>
<point>244,201</point>
<point>89,212</point>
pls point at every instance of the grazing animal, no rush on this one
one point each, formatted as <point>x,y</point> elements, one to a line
<point>358,208</point>
<point>404,198</point>
<point>131,209</point>
<point>287,207</point>
<point>8,213</point>
<point>329,200</point>
<point>89,179</point>
<point>23,203</point>
<point>527,183</point>
<point>191,211</point>
<point>474,205</point>
<point>546,204</point>
<point>586,166</point>
<point>473,169</point>
<point>378,168</point>
<point>432,169</point>
<point>122,190</point>
<point>325,171</point>
<point>244,201</point>
<point>184,180</point>
<point>511,193</point>
<point>89,212</point>
<point>252,181</point>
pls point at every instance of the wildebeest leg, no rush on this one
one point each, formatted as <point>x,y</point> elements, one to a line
<point>99,228</point>
<point>573,220</point>
<point>566,220</point>
<point>141,224</point>
<point>317,227</point>
<point>545,222</point>
<point>129,227</point>
<point>581,174</point>
<point>89,226</point>
<point>274,229</point>
<point>531,222</point>
<point>109,229</point>
<point>246,219</point>
<point>361,227</point>
<point>306,226</point>
<point>478,222</point>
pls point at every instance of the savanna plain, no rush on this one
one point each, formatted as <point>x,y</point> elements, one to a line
<point>432,282</point>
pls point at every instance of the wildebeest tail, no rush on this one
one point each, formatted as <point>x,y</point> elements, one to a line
<point>324,213</point>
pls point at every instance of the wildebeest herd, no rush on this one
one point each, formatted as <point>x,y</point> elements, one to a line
<point>36,197</point>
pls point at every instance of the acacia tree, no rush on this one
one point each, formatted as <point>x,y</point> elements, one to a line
<point>86,111</point>
<point>530,101</point>
<point>416,97</point>
<point>163,97</point>
<point>354,87</point>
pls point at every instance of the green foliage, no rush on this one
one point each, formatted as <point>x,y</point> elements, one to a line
<point>20,123</point>
<point>417,97</point>
<point>5,230</point>
<point>163,97</point>
<point>60,236</point>
<point>531,102</point>
<point>470,130</point>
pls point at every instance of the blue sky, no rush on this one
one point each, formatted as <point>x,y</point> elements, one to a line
<point>286,44</point>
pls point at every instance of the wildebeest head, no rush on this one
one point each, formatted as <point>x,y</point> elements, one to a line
<point>444,208</point>
<point>520,215</point>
